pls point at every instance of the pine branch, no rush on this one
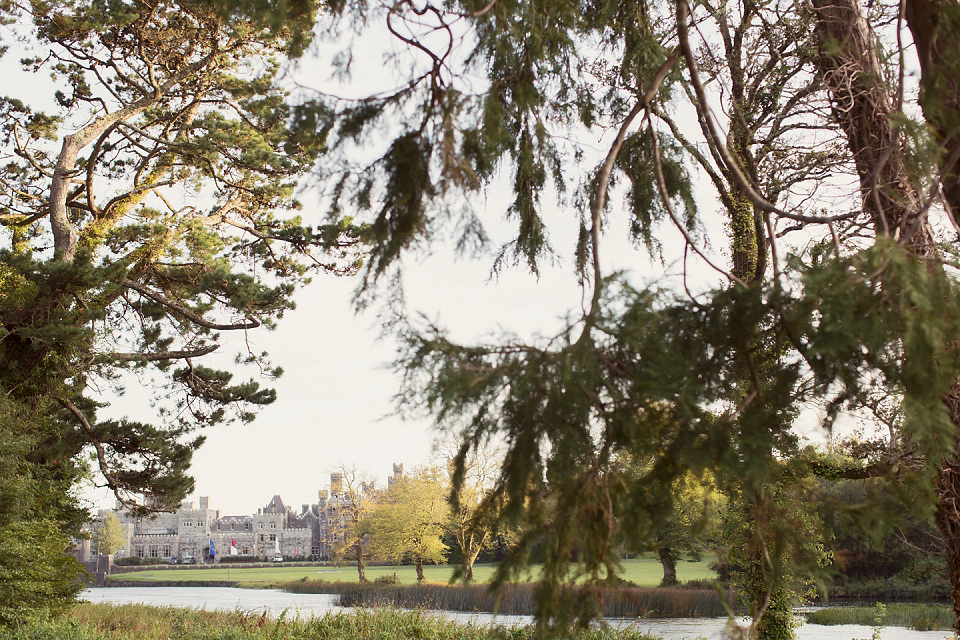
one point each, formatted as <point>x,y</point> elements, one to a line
<point>165,355</point>
<point>252,323</point>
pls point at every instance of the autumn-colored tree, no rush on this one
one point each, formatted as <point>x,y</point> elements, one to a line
<point>408,520</point>
<point>109,535</point>
<point>350,506</point>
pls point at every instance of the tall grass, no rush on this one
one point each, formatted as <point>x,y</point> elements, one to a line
<point>625,602</point>
<point>922,617</point>
<point>140,622</point>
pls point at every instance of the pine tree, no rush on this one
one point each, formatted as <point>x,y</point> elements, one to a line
<point>149,212</point>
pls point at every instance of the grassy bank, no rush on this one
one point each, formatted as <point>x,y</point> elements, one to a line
<point>629,602</point>
<point>645,572</point>
<point>922,617</point>
<point>140,622</point>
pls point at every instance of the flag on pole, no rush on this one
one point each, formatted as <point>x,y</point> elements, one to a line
<point>213,552</point>
<point>233,547</point>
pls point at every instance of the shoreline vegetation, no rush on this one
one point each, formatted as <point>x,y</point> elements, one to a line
<point>100,621</point>
<point>642,572</point>
<point>519,599</point>
<point>88,621</point>
<point>919,617</point>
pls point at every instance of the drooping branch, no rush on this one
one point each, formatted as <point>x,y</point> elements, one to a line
<point>603,177</point>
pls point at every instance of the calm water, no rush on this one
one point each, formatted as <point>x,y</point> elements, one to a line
<point>309,604</point>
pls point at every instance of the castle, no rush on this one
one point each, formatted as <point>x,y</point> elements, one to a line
<point>187,534</point>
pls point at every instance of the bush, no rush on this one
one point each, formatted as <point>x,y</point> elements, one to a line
<point>136,561</point>
<point>238,559</point>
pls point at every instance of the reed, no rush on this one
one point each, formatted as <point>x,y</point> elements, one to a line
<point>921,617</point>
<point>625,602</point>
<point>139,622</point>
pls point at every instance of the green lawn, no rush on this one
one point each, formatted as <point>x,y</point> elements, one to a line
<point>645,572</point>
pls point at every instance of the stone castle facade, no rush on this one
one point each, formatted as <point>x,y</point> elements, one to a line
<point>276,529</point>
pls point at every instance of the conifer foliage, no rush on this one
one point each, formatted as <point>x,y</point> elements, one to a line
<point>835,194</point>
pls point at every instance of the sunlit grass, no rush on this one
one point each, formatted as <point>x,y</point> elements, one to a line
<point>644,572</point>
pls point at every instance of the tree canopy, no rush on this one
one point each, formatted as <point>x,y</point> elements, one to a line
<point>408,520</point>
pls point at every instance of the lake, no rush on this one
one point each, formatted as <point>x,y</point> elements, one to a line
<point>274,602</point>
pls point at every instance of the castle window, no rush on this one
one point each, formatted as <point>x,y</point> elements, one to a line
<point>166,551</point>
<point>273,537</point>
<point>232,526</point>
<point>273,525</point>
<point>261,537</point>
<point>199,523</point>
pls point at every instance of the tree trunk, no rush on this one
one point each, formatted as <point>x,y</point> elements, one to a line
<point>935,26</point>
<point>419,569</point>
<point>466,550</point>
<point>863,107</point>
<point>669,567</point>
<point>864,114</point>
<point>947,515</point>
<point>361,565</point>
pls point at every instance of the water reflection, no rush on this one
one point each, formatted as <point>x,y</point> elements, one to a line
<point>275,602</point>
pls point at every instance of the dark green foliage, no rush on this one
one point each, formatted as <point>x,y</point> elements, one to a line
<point>37,515</point>
<point>903,555</point>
